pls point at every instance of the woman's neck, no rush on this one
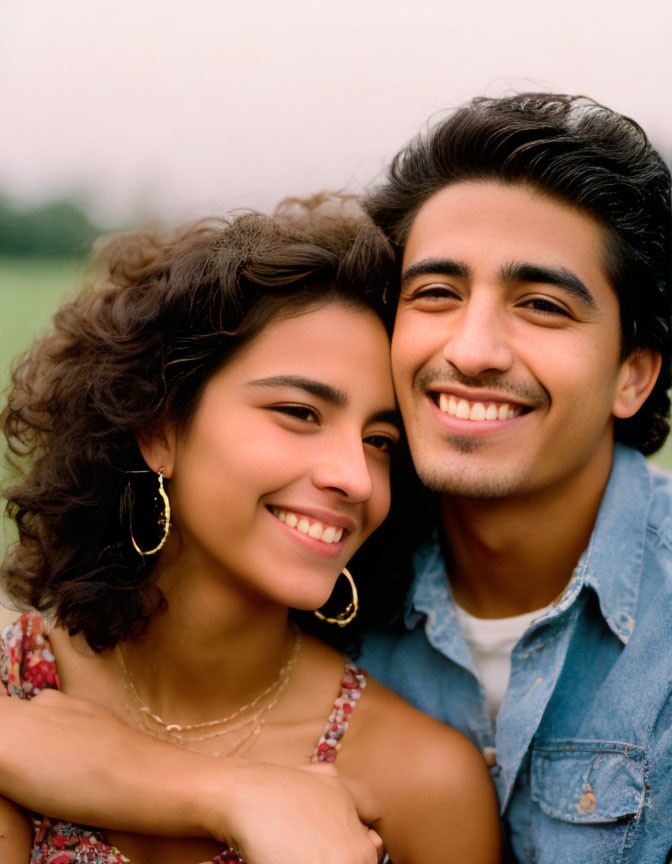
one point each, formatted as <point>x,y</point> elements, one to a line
<point>212,649</point>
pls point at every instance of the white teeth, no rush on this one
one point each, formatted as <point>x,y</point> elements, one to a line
<point>462,409</point>
<point>448,404</point>
<point>477,410</point>
<point>316,530</point>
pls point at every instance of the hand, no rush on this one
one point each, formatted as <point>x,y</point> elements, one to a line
<point>73,760</point>
<point>290,816</point>
<point>358,793</point>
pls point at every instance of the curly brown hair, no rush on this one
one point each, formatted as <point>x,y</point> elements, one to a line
<point>165,311</point>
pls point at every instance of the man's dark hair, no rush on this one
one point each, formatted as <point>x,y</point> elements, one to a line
<point>580,153</point>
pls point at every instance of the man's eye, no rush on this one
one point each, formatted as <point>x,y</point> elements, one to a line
<point>541,304</point>
<point>300,412</point>
<point>381,442</point>
<point>435,292</point>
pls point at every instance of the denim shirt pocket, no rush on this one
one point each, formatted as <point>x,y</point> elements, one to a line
<point>597,784</point>
<point>588,781</point>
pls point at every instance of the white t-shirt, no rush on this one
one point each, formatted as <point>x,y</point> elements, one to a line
<point>491,641</point>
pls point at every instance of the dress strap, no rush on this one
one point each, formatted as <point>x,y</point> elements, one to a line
<point>352,684</point>
<point>26,662</point>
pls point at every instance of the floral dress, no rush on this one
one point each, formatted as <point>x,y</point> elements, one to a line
<point>28,666</point>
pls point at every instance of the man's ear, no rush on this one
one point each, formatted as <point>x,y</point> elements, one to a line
<point>637,379</point>
<point>157,445</point>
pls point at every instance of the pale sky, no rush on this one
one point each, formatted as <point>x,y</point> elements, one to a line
<point>203,105</point>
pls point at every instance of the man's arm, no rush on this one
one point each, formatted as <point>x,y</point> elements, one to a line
<point>73,760</point>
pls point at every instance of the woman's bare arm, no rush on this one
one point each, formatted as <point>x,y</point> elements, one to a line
<point>448,810</point>
<point>431,785</point>
<point>16,834</point>
<point>73,760</point>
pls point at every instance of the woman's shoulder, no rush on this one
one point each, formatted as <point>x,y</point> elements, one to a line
<point>27,664</point>
<point>431,784</point>
<point>378,716</point>
<point>407,732</point>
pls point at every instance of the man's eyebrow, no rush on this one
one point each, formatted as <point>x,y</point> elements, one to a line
<point>309,385</point>
<point>549,276</point>
<point>438,266</point>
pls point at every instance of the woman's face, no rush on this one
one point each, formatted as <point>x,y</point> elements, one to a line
<point>284,469</point>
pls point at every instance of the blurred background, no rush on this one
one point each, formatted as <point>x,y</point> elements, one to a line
<point>118,112</point>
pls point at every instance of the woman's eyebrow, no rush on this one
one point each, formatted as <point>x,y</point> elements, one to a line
<point>325,391</point>
<point>316,388</point>
<point>391,416</point>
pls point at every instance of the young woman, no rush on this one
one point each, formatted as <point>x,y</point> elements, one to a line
<point>208,435</point>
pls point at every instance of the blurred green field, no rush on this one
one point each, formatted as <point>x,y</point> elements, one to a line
<point>30,291</point>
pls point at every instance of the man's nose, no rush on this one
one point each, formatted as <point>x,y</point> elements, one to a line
<point>477,340</point>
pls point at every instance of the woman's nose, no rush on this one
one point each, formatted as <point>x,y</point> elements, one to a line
<point>344,468</point>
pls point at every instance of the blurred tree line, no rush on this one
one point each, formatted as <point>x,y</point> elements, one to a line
<point>53,229</point>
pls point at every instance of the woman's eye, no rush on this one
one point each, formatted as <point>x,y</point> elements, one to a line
<point>381,442</point>
<point>300,412</point>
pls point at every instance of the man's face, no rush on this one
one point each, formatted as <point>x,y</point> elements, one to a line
<point>506,348</point>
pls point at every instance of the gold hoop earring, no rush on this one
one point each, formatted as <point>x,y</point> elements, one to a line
<point>163,521</point>
<point>348,614</point>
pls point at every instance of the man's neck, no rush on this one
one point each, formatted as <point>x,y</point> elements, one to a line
<point>513,555</point>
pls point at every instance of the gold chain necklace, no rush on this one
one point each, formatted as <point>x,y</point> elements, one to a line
<point>175,730</point>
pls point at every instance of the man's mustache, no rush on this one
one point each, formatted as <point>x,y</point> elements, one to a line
<point>535,396</point>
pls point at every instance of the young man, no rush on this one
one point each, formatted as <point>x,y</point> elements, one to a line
<point>532,333</point>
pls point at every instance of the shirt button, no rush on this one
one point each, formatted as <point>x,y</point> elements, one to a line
<point>587,802</point>
<point>626,624</point>
<point>490,756</point>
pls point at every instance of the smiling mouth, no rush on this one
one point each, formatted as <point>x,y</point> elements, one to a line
<point>312,527</point>
<point>464,409</point>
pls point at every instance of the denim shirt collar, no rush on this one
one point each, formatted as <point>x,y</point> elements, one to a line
<point>431,599</point>
<point>611,564</point>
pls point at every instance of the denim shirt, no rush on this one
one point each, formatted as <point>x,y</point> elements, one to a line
<point>582,752</point>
